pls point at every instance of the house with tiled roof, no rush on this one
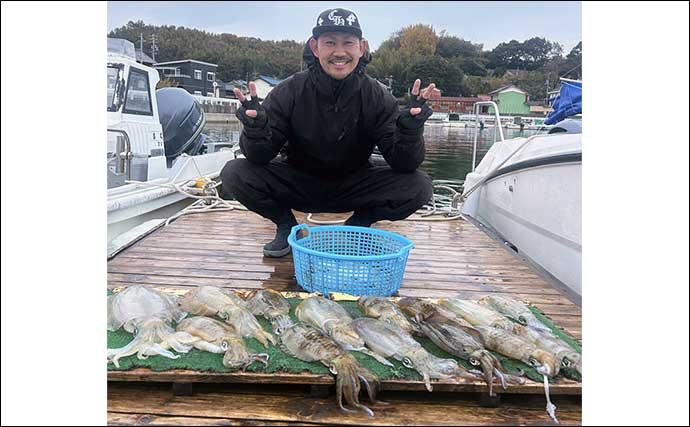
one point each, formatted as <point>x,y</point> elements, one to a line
<point>264,85</point>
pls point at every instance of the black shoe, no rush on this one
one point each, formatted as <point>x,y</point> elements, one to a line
<point>359,221</point>
<point>280,247</point>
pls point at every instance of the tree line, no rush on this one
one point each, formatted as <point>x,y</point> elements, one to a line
<point>457,66</point>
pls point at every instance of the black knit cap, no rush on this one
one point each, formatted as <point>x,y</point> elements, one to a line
<point>337,21</point>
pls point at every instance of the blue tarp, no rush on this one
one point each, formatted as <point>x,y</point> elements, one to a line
<point>567,103</point>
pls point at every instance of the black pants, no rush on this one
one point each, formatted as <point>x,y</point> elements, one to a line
<point>374,193</point>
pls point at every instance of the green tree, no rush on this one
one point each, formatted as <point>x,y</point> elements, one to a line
<point>438,70</point>
<point>236,56</point>
<point>572,66</point>
<point>531,54</point>
<point>506,56</point>
<point>451,46</point>
<point>389,63</point>
<point>539,51</point>
<point>418,40</point>
<point>471,66</point>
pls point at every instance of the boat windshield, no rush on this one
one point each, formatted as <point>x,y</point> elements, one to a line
<point>115,86</point>
<point>112,80</point>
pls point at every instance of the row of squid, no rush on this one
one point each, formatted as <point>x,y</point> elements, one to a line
<point>325,333</point>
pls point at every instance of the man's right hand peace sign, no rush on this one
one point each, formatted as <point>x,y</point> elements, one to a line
<point>251,113</point>
<point>417,111</point>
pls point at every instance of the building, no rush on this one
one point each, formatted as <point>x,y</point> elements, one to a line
<point>455,104</point>
<point>444,104</point>
<point>197,77</point>
<point>225,89</point>
<point>264,85</point>
<point>538,108</point>
<point>511,100</point>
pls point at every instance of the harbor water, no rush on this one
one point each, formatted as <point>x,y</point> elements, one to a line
<point>448,149</point>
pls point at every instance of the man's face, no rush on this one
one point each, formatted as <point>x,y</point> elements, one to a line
<point>338,53</point>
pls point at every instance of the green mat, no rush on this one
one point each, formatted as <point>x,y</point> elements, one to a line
<point>280,362</point>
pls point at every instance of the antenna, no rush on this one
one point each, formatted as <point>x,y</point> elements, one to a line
<point>154,48</point>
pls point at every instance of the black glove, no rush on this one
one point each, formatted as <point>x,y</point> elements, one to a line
<point>258,122</point>
<point>410,122</point>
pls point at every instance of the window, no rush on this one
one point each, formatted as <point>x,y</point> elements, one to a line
<point>113,73</point>
<point>197,74</point>
<point>197,92</point>
<point>210,76</point>
<point>138,99</point>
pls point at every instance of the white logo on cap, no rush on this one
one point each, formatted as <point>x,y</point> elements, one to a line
<point>350,19</point>
<point>320,21</point>
<point>336,19</point>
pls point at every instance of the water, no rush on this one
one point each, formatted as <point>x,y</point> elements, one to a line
<point>448,149</point>
<point>223,132</point>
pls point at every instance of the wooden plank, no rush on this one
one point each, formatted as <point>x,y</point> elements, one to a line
<point>258,258</point>
<point>230,262</point>
<point>254,404</point>
<point>241,250</point>
<point>127,419</point>
<point>442,231</point>
<point>415,265</point>
<point>470,256</point>
<point>411,270</point>
<point>186,375</point>
<point>225,234</point>
<point>561,386</point>
<point>211,271</point>
<point>421,241</point>
<point>160,243</point>
<point>441,289</point>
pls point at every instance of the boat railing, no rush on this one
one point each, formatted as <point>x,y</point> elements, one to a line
<point>497,124</point>
<point>123,155</point>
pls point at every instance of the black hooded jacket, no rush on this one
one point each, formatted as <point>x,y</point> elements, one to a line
<point>329,128</point>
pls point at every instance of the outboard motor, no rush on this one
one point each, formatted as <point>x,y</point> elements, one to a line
<point>182,120</point>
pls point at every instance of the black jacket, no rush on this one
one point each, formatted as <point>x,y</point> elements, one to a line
<point>329,128</point>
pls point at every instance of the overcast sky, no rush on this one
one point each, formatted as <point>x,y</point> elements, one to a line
<point>489,23</point>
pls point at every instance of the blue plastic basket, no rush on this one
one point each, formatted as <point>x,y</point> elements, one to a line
<point>352,260</point>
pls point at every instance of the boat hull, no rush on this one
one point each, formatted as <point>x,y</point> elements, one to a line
<point>134,204</point>
<point>535,204</point>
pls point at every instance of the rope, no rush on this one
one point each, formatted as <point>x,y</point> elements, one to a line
<point>203,189</point>
<point>311,219</point>
<point>441,207</point>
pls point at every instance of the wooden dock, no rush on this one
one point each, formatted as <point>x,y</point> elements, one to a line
<point>450,258</point>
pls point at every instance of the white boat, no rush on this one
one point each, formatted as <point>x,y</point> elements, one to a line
<point>154,142</point>
<point>529,192</point>
<point>527,123</point>
<point>453,120</point>
<point>437,118</point>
